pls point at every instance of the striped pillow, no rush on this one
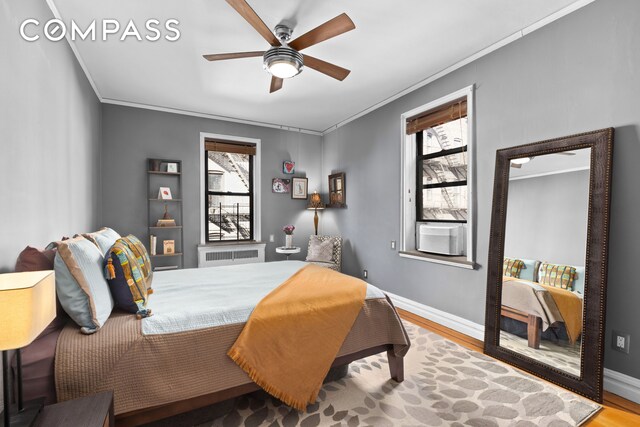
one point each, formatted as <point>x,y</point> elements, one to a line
<point>512,267</point>
<point>142,256</point>
<point>127,279</point>
<point>558,276</point>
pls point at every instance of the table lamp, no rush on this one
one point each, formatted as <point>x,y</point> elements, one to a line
<point>27,307</point>
<point>315,203</point>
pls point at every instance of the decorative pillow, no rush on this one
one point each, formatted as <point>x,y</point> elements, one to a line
<point>142,256</point>
<point>320,251</point>
<point>512,267</point>
<point>103,238</point>
<point>559,276</point>
<point>126,279</point>
<point>80,283</point>
<point>34,259</point>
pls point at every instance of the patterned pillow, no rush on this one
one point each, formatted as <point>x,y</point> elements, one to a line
<point>512,267</point>
<point>103,238</point>
<point>559,276</point>
<point>127,279</point>
<point>141,254</point>
<point>320,251</point>
<point>80,285</point>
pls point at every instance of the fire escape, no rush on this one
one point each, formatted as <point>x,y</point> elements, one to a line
<point>449,164</point>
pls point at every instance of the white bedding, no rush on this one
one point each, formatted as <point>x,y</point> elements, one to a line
<point>198,298</point>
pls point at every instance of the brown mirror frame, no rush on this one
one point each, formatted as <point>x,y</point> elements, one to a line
<point>589,383</point>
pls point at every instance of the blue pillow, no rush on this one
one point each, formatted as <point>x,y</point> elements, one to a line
<point>578,283</point>
<point>530,270</point>
<point>103,238</point>
<point>81,287</point>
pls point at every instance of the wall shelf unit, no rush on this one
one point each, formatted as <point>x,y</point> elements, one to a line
<point>158,176</point>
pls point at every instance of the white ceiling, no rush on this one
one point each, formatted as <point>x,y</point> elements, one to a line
<point>395,45</point>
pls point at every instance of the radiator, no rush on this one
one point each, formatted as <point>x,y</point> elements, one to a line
<point>213,256</point>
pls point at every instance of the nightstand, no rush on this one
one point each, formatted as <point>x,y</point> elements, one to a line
<point>90,411</point>
<point>288,251</point>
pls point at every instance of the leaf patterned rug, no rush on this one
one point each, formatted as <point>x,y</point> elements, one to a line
<point>445,385</point>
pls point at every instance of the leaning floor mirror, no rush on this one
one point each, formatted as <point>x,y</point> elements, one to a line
<point>547,270</point>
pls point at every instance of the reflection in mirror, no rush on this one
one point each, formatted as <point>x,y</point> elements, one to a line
<point>543,276</point>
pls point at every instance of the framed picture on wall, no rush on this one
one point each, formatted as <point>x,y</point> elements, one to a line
<point>172,167</point>
<point>281,186</point>
<point>288,167</point>
<point>337,190</point>
<point>300,188</point>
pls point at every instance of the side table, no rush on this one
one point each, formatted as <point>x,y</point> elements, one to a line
<point>89,411</point>
<point>288,251</point>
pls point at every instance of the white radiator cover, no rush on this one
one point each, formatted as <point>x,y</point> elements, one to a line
<point>230,254</point>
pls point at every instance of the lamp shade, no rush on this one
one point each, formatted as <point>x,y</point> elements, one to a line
<point>315,201</point>
<point>27,307</point>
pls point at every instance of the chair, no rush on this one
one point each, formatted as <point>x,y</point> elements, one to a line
<point>336,258</point>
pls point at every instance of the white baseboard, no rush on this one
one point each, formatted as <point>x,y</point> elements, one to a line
<point>614,382</point>
<point>449,320</point>
<point>622,385</point>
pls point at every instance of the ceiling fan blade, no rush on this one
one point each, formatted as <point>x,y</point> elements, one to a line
<point>516,165</point>
<point>330,70</point>
<point>276,84</point>
<point>243,8</point>
<point>334,27</point>
<point>236,55</point>
<point>566,153</point>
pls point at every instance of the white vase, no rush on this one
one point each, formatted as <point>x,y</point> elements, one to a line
<point>288,243</point>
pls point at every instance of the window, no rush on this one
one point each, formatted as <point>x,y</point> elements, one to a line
<point>229,206</point>
<point>437,171</point>
<point>441,167</point>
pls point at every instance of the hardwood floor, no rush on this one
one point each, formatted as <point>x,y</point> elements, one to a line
<point>616,410</point>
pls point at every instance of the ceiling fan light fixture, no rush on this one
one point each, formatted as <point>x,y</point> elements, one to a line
<point>283,62</point>
<point>521,160</point>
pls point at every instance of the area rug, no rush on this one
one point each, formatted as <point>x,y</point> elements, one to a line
<point>445,385</point>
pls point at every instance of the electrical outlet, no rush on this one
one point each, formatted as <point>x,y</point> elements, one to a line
<point>620,341</point>
<point>365,274</point>
<point>272,238</point>
<point>393,244</point>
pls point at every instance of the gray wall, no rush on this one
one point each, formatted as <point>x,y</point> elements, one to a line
<point>547,218</point>
<point>50,138</point>
<point>131,135</point>
<point>577,74</point>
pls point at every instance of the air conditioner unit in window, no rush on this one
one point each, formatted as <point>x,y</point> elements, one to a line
<point>445,239</point>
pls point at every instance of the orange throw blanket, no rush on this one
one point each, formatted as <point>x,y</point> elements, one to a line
<point>570,306</point>
<point>294,334</point>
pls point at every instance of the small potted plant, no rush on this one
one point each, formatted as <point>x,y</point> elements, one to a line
<point>288,231</point>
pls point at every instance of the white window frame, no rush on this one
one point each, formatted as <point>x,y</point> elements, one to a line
<point>408,181</point>
<point>257,217</point>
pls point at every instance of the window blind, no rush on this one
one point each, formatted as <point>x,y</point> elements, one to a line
<point>443,114</point>
<point>230,147</point>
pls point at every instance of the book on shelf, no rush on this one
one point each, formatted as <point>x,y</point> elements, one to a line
<point>166,223</point>
<point>153,241</point>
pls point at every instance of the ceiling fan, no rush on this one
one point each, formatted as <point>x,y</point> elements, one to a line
<point>283,59</point>
<point>517,163</point>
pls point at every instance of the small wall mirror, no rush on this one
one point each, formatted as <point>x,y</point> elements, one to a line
<point>337,191</point>
<point>547,265</point>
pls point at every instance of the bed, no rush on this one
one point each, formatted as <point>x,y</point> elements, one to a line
<point>176,360</point>
<point>541,306</point>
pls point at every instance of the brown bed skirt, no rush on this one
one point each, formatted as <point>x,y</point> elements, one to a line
<point>149,371</point>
